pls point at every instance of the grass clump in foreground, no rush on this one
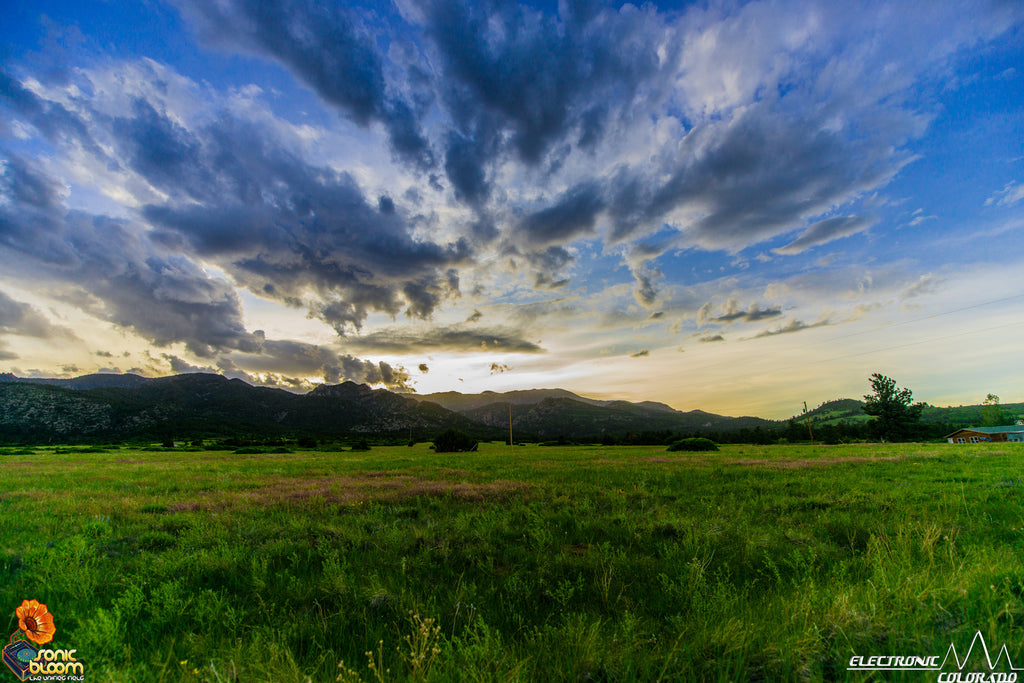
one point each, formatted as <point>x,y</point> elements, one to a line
<point>560,563</point>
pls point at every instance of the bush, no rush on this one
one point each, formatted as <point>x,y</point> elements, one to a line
<point>694,444</point>
<point>361,445</point>
<point>454,441</point>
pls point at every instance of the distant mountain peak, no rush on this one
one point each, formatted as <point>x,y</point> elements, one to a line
<point>346,389</point>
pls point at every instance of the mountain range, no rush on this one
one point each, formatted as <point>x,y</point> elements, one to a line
<point>209,406</point>
<point>108,406</point>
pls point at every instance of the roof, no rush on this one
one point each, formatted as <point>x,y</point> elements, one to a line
<point>1005,429</point>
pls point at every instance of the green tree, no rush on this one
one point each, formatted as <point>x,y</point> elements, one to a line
<point>896,417</point>
<point>992,414</point>
<point>454,441</point>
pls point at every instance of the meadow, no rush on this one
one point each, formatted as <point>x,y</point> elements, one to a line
<point>585,563</point>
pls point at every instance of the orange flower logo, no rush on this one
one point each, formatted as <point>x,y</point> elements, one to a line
<point>36,621</point>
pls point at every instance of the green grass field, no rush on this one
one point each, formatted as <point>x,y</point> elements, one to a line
<point>557,563</point>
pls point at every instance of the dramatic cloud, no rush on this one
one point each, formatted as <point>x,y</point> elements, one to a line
<point>573,215</point>
<point>331,48</point>
<point>738,183</point>
<point>441,338</point>
<point>110,270</point>
<point>356,179</point>
<point>535,78</point>
<point>306,360</point>
<point>287,229</point>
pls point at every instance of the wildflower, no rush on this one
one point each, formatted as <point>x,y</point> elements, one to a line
<point>36,621</point>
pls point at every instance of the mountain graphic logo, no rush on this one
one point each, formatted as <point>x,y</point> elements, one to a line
<point>978,657</point>
<point>978,664</point>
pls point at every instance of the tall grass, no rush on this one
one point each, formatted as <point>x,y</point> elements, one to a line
<point>576,563</point>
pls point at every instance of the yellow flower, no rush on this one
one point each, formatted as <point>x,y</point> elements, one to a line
<point>36,621</point>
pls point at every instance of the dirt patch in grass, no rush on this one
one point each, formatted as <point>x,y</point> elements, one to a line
<point>804,463</point>
<point>363,487</point>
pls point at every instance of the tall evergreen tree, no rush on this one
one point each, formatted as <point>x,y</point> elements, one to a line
<point>896,417</point>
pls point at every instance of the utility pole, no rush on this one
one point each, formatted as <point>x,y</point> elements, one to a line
<point>808,416</point>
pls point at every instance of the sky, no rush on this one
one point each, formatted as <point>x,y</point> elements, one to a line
<point>728,206</point>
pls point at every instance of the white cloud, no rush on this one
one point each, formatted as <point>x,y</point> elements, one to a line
<point>1009,195</point>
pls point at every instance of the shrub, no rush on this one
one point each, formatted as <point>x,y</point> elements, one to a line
<point>694,444</point>
<point>454,441</point>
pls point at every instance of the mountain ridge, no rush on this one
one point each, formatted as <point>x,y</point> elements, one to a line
<point>208,405</point>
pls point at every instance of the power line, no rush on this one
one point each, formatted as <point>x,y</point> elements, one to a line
<point>928,317</point>
<point>915,343</point>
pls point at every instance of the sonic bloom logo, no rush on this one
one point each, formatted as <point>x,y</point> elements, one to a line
<point>36,621</point>
<point>30,663</point>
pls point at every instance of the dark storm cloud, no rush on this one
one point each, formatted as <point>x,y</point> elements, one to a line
<point>163,152</point>
<point>238,197</point>
<point>228,368</point>
<point>52,119</point>
<point>328,46</point>
<point>284,228</point>
<point>451,338</point>
<point>508,82</point>
<point>518,83</point>
<point>164,297</point>
<point>640,354</point>
<point>539,76</point>
<point>465,163</point>
<point>30,213</point>
<point>825,231</point>
<point>23,319</point>
<point>709,338</point>
<point>760,174</point>
<point>300,358</point>
<point>22,184</point>
<point>572,215</point>
<point>109,270</point>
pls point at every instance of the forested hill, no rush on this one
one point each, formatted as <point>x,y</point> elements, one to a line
<point>852,411</point>
<point>211,406</point>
